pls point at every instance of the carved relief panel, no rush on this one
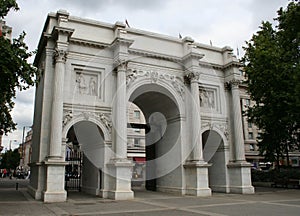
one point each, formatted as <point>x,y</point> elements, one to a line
<point>87,82</point>
<point>209,99</point>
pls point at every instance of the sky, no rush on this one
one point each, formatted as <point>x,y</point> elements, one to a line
<point>223,22</point>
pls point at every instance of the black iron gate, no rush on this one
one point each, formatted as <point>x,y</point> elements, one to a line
<point>73,172</point>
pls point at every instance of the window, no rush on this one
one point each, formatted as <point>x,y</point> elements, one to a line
<point>250,135</point>
<point>249,124</point>
<point>251,147</point>
<point>137,114</point>
<point>136,142</point>
<point>247,102</point>
<point>137,130</point>
<point>241,72</point>
<point>259,135</point>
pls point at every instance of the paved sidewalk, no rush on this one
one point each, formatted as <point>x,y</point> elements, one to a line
<point>266,201</point>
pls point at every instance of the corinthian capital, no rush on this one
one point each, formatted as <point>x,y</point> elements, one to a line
<point>192,77</point>
<point>120,64</point>
<point>234,83</point>
<point>60,55</point>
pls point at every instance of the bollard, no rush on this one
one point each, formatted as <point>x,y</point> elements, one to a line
<point>17,186</point>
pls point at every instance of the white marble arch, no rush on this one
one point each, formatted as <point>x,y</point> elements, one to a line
<point>170,68</point>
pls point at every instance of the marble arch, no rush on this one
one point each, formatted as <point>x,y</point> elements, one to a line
<point>92,69</point>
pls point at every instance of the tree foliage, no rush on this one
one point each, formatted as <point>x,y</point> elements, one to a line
<point>271,64</point>
<point>10,159</point>
<point>16,72</point>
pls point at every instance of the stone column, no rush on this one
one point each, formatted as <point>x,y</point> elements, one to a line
<point>121,113</point>
<point>57,105</point>
<point>239,170</point>
<point>55,165</point>
<point>196,170</point>
<point>120,168</point>
<point>196,119</point>
<point>237,121</point>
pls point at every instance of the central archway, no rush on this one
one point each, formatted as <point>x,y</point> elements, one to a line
<point>163,140</point>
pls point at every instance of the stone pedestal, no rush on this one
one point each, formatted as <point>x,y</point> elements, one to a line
<point>240,178</point>
<point>55,181</point>
<point>196,173</point>
<point>120,172</point>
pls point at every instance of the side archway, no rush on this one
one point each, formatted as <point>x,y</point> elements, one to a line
<point>87,139</point>
<point>216,153</point>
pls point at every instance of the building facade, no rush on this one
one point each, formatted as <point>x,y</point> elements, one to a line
<point>25,152</point>
<point>188,93</point>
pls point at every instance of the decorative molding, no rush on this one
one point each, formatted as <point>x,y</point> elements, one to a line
<point>154,76</point>
<point>68,115</point>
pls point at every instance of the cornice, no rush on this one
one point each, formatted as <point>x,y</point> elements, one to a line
<point>58,29</point>
<point>121,41</point>
<point>193,55</point>
<point>155,55</point>
<point>88,43</point>
<point>232,64</point>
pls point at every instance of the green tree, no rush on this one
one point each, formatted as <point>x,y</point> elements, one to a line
<point>271,64</point>
<point>16,72</point>
<point>10,159</point>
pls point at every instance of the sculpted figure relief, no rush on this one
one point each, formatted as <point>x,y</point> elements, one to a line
<point>81,84</point>
<point>92,87</point>
<point>83,87</point>
<point>207,99</point>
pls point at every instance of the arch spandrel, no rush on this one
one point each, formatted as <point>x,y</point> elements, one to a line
<point>165,83</point>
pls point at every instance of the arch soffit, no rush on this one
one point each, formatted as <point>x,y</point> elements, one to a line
<point>76,119</point>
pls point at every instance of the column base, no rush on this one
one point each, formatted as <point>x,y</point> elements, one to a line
<point>54,181</point>
<point>120,171</point>
<point>120,195</point>
<point>240,177</point>
<point>196,173</point>
<point>51,197</point>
